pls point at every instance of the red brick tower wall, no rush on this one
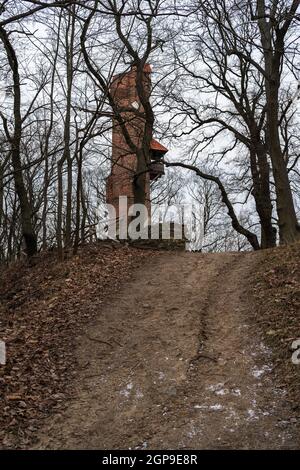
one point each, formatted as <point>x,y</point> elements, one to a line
<point>120,181</point>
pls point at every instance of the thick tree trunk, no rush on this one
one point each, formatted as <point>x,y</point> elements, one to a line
<point>273,43</point>
<point>288,226</point>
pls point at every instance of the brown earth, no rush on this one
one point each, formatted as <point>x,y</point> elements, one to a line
<point>44,307</point>
<point>177,359</point>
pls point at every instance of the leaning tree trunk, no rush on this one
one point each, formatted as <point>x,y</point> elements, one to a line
<point>250,236</point>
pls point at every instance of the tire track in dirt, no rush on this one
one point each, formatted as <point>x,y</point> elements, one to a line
<point>172,362</point>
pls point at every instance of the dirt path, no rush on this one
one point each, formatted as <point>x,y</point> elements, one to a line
<point>173,363</point>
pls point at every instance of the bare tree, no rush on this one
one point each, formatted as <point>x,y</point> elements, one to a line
<point>274,21</point>
<point>15,142</point>
<point>133,24</point>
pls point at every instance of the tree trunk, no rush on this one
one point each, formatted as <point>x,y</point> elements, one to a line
<point>139,183</point>
<point>272,41</point>
<point>66,157</point>
<point>287,220</point>
<point>15,141</point>
<point>78,198</point>
<point>143,87</point>
<point>261,192</point>
<point>47,142</point>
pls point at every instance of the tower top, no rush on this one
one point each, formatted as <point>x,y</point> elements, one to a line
<point>147,70</point>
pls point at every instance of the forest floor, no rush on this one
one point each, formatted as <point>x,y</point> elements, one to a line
<point>190,352</point>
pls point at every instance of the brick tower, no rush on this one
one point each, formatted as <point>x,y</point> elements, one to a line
<point>120,181</point>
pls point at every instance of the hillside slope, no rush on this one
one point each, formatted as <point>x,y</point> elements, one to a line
<point>124,348</point>
<point>43,310</point>
<point>277,298</point>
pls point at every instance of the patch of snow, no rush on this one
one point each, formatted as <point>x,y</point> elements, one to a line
<point>257,373</point>
<point>218,389</point>
<point>217,407</point>
<point>215,387</point>
<point>126,391</point>
<point>193,431</point>
<point>252,415</point>
<point>201,407</point>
